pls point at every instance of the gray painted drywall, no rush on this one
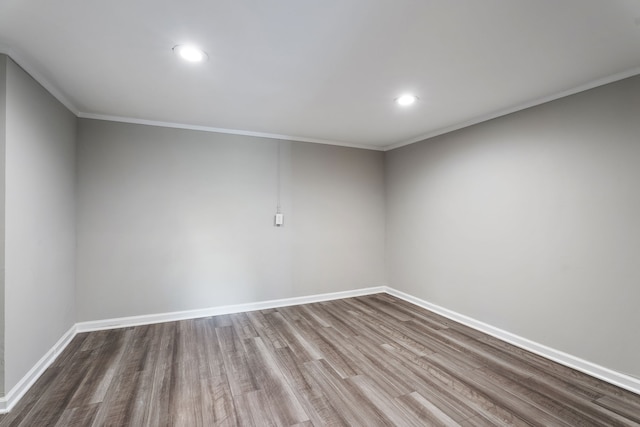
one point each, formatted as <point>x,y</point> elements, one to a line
<point>40,223</point>
<point>529,222</point>
<point>338,218</point>
<point>172,219</point>
<point>3,100</point>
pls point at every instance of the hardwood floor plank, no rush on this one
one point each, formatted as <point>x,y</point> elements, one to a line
<point>366,361</point>
<point>217,402</point>
<point>390,412</point>
<point>50,406</point>
<point>562,413</point>
<point>235,362</point>
<point>311,397</point>
<point>425,411</point>
<point>455,387</point>
<point>78,416</point>
<point>630,410</point>
<point>304,349</point>
<point>254,410</point>
<point>285,407</point>
<point>348,405</point>
<point>269,335</point>
<point>323,342</point>
<point>106,355</point>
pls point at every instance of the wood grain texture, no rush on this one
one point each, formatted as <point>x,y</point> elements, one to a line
<point>366,361</point>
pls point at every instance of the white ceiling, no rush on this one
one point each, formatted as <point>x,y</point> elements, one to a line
<point>320,70</point>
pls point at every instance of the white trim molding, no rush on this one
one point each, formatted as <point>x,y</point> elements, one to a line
<point>514,109</point>
<point>17,392</point>
<point>9,400</point>
<point>267,135</point>
<point>124,322</point>
<point>619,379</point>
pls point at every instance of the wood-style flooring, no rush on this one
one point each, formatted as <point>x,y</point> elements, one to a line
<point>366,361</point>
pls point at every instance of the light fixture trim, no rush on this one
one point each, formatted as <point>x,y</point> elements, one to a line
<point>406,99</point>
<point>190,53</point>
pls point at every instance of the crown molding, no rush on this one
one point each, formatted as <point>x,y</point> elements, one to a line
<point>503,112</point>
<point>21,62</point>
<point>37,76</point>
<point>224,130</point>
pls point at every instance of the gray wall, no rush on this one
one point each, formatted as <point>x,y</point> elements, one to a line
<point>3,134</point>
<point>40,223</point>
<point>173,220</point>
<point>530,222</point>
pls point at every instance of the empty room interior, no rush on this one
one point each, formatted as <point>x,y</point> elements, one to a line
<point>355,212</point>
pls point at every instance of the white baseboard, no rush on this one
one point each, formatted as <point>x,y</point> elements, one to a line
<point>619,379</point>
<point>123,322</point>
<point>15,394</point>
<point>9,400</point>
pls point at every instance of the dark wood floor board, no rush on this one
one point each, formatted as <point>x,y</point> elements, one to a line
<point>217,402</point>
<point>630,410</point>
<point>602,415</point>
<point>388,407</point>
<point>310,396</point>
<point>79,416</point>
<point>382,308</point>
<point>314,400</point>
<point>152,407</point>
<point>229,340</point>
<point>418,314</point>
<point>118,405</point>
<point>25,408</point>
<point>360,322</point>
<point>334,312</point>
<point>367,361</point>
<point>239,375</point>
<point>565,414</point>
<point>286,408</point>
<point>324,341</point>
<point>383,331</point>
<point>60,392</point>
<point>455,387</point>
<point>451,402</point>
<point>366,358</point>
<point>573,378</point>
<point>263,328</point>
<point>243,326</point>
<point>542,380</point>
<point>221,320</point>
<point>402,377</point>
<point>185,402</point>
<point>210,360</point>
<point>303,348</point>
<point>71,350</point>
<point>477,421</point>
<point>308,310</point>
<point>253,410</point>
<point>448,341</point>
<point>106,356</point>
<point>38,393</point>
<point>425,411</point>
<point>529,406</point>
<point>343,397</point>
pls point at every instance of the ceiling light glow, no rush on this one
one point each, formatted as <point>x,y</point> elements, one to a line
<point>190,53</point>
<point>406,99</point>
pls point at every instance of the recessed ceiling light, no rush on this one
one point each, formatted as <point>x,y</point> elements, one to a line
<point>190,53</point>
<point>406,99</point>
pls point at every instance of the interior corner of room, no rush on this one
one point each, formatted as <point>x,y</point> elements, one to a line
<point>528,224</point>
